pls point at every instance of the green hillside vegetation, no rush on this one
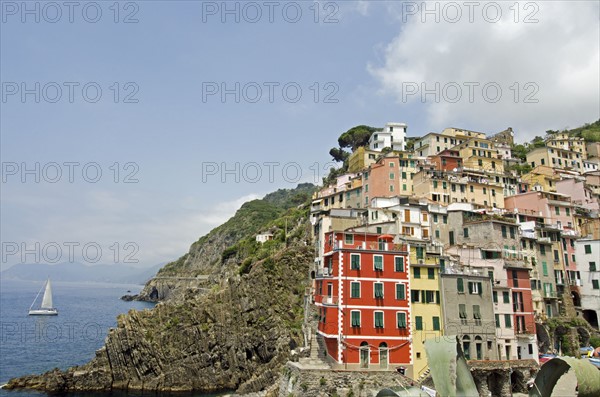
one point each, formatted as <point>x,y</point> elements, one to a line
<point>252,217</point>
<point>589,132</point>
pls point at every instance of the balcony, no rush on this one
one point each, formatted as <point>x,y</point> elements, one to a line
<point>528,235</point>
<point>371,246</point>
<point>330,300</point>
<point>550,295</point>
<point>324,272</point>
<point>575,283</point>
<point>524,332</point>
<point>544,240</point>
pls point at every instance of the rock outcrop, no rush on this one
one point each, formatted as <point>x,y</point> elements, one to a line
<point>235,338</point>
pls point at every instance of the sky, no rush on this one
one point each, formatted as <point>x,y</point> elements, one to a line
<point>130,129</point>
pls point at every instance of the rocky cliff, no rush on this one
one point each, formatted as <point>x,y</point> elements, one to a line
<point>207,258</point>
<point>235,334</point>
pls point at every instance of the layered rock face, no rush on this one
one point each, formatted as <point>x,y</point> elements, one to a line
<point>233,338</point>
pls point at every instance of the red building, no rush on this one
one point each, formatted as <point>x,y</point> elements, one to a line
<point>447,160</point>
<point>523,315</point>
<point>362,296</point>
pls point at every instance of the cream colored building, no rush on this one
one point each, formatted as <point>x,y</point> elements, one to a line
<point>567,142</point>
<point>556,157</point>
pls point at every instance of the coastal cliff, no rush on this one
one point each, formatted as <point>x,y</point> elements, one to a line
<point>234,333</point>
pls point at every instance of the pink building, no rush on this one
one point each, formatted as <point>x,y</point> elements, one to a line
<point>580,194</point>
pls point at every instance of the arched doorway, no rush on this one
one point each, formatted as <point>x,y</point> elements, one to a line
<point>466,345</point>
<point>478,348</point>
<point>383,355</point>
<point>576,299</point>
<point>364,355</point>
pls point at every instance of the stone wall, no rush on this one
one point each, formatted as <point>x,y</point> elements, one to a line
<point>306,382</point>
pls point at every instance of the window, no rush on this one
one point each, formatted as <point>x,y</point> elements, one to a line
<point>437,234</point>
<point>419,323</point>
<point>378,288</point>
<point>416,272</point>
<point>507,321</point>
<point>436,323</point>
<point>588,249</point>
<point>354,289</point>
<point>401,319</point>
<point>595,284</point>
<point>544,268</point>
<point>462,311</point>
<point>495,296</point>
<point>445,219</point>
<point>497,316</point>
<point>504,231</point>
<point>557,209</point>
<point>392,175</point>
<point>378,262</point>
<point>542,249</point>
<point>460,286</point>
<point>415,296</point>
<point>431,273</point>
<point>475,288</point>
<point>399,263</point>
<point>400,291</point>
<point>349,239</point>
<point>420,251</point>
<point>568,211</point>
<point>355,261</point>
<point>476,312</point>
<point>355,318</point>
<point>403,175</point>
<point>435,218</point>
<point>378,319</point>
<point>592,266</point>
<point>512,232</point>
<point>429,296</point>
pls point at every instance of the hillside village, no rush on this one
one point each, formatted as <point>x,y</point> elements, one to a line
<point>454,233</point>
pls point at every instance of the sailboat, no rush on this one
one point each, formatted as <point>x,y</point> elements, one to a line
<point>47,308</point>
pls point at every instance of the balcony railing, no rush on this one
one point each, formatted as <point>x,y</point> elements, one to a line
<point>330,300</point>
<point>550,294</point>
<point>371,246</point>
<point>324,272</point>
<point>544,240</point>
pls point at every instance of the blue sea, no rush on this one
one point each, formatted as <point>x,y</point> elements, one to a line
<point>35,344</point>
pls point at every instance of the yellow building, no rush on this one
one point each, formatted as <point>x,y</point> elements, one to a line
<point>425,298</point>
<point>541,178</point>
<point>460,187</point>
<point>361,159</point>
<point>480,155</point>
<point>568,143</point>
<point>556,157</point>
<point>463,134</point>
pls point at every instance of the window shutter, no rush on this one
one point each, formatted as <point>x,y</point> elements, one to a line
<point>460,286</point>
<point>480,288</point>
<point>400,291</point>
<point>401,320</point>
<point>470,285</point>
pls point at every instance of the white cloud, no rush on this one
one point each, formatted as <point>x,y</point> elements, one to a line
<point>559,55</point>
<point>163,230</point>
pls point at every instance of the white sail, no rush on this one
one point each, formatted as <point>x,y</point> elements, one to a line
<point>47,299</point>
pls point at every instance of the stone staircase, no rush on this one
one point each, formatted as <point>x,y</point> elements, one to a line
<point>317,358</point>
<point>423,375</point>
